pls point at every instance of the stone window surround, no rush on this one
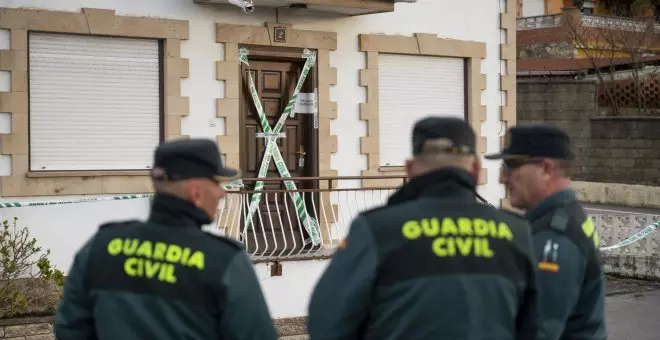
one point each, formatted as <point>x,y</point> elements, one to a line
<point>508,77</point>
<point>89,21</point>
<point>228,107</point>
<point>421,44</point>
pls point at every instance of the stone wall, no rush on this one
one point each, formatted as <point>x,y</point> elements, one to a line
<point>624,150</point>
<point>608,149</point>
<point>27,329</point>
<point>41,328</point>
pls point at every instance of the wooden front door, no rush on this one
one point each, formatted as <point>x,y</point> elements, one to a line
<point>276,230</point>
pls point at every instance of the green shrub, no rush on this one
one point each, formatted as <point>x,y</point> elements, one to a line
<point>29,284</point>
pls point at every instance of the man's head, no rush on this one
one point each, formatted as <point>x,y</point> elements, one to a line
<point>536,164</point>
<point>439,143</point>
<point>192,170</point>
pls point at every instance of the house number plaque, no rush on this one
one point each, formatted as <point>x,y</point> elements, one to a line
<point>280,34</point>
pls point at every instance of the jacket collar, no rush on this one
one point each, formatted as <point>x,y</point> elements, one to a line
<point>171,210</point>
<point>552,202</point>
<point>445,183</point>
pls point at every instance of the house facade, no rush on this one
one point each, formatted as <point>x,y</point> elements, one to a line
<point>86,93</point>
<point>598,32</point>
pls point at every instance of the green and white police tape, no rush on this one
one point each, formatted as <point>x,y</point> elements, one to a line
<point>272,150</point>
<point>230,186</point>
<point>80,200</point>
<point>634,237</point>
<point>236,184</point>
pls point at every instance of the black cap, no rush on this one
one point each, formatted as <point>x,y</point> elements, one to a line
<point>536,140</point>
<point>190,158</point>
<point>448,134</point>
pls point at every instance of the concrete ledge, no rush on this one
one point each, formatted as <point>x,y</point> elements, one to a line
<point>26,321</point>
<point>633,118</point>
<point>638,267</point>
<point>631,195</point>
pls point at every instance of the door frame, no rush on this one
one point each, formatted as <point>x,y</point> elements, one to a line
<point>283,54</point>
<point>294,55</point>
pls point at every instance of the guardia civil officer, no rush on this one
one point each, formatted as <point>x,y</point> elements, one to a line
<point>536,172</point>
<point>434,263</point>
<point>165,278</point>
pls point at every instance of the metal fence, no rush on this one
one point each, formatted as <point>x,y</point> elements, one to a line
<point>276,230</point>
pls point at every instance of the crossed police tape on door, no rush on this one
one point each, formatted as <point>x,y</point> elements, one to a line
<point>273,151</point>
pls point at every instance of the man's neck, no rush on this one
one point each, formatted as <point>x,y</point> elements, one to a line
<point>558,186</point>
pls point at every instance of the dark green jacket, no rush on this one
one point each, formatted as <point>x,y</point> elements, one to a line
<point>571,282</point>
<point>432,264</point>
<point>163,279</point>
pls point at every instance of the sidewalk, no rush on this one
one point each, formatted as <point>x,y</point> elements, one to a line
<point>632,309</point>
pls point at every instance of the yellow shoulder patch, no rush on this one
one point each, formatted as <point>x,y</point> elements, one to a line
<point>589,230</point>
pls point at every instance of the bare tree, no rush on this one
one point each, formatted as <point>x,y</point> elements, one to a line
<point>607,42</point>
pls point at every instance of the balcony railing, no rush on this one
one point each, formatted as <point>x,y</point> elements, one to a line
<point>323,7</point>
<point>282,225</point>
<point>586,20</point>
<point>612,22</point>
<point>536,22</point>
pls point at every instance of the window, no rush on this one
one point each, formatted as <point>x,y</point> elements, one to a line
<point>413,87</point>
<point>95,102</point>
<point>588,7</point>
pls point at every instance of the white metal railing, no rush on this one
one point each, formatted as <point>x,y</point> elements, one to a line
<point>535,22</point>
<point>276,231</point>
<point>611,22</point>
<point>615,227</point>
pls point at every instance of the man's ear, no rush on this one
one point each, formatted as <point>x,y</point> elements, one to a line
<point>549,167</point>
<point>409,168</point>
<point>476,167</point>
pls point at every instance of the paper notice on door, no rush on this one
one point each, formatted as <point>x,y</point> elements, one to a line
<point>271,135</point>
<point>306,103</point>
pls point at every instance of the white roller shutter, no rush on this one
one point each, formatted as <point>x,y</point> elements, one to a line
<point>410,88</point>
<point>94,102</point>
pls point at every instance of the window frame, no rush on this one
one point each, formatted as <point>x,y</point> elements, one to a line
<point>161,103</point>
<point>466,103</point>
<point>93,22</point>
<point>422,44</point>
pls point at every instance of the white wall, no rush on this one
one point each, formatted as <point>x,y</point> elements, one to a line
<point>531,8</point>
<point>63,228</point>
<point>288,295</point>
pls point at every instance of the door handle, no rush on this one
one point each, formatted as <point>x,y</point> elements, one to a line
<point>301,157</point>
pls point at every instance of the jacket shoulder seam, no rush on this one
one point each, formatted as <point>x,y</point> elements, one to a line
<point>225,240</point>
<point>117,224</point>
